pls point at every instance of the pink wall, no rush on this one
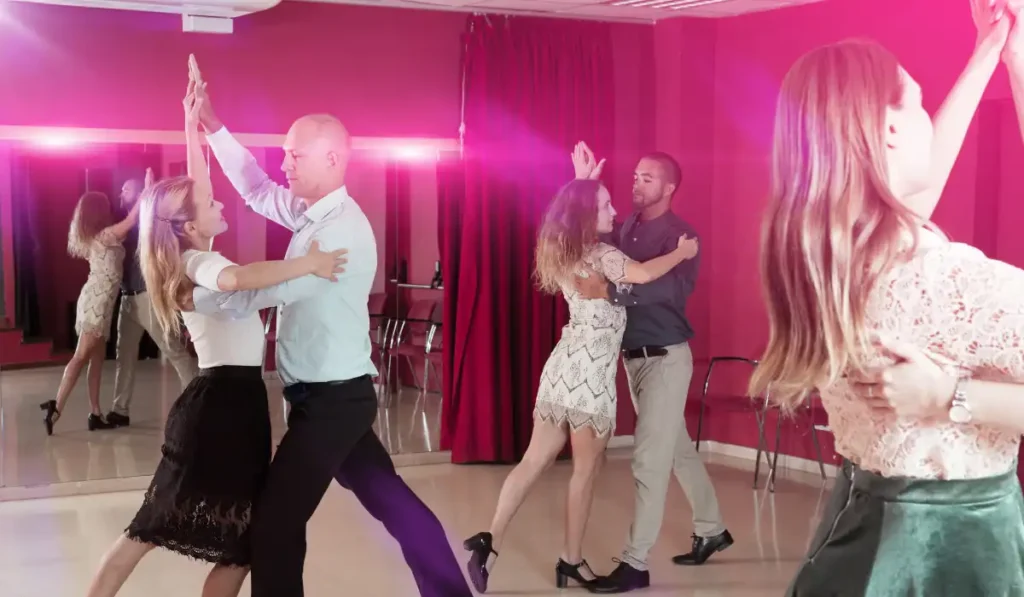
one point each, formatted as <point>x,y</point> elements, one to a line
<point>121,69</point>
<point>933,40</point>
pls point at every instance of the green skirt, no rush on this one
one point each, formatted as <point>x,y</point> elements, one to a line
<point>902,537</point>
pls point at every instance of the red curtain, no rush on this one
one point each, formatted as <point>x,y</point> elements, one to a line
<point>533,87</point>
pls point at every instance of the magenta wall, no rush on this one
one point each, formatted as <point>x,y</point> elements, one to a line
<point>384,72</point>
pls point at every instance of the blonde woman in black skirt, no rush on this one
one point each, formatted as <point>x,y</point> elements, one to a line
<point>217,443</point>
<point>927,501</point>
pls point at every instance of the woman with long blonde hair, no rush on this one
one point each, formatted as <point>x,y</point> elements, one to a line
<point>859,286</point>
<point>95,237</point>
<point>217,441</point>
<point>576,398</point>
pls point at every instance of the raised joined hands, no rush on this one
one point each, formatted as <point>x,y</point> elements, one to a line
<point>200,109</point>
<point>584,164</point>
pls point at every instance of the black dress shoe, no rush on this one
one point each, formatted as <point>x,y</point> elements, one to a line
<point>703,548</point>
<point>118,420</point>
<point>623,579</point>
<point>480,562</point>
<point>97,422</point>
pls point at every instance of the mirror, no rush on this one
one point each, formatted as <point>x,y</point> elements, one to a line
<point>413,308</point>
<point>41,180</point>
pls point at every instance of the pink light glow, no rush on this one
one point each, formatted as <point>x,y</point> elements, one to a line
<point>54,141</point>
<point>413,153</point>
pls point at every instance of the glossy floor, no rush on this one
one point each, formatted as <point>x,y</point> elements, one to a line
<point>28,457</point>
<point>51,547</point>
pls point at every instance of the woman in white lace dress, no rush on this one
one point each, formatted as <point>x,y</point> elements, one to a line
<point>927,501</point>
<point>576,398</point>
<point>95,237</point>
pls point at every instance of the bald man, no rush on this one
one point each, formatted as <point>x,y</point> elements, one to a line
<point>323,358</point>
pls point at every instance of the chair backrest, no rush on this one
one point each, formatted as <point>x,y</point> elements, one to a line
<point>377,302</point>
<point>420,311</point>
<point>437,340</point>
<point>731,374</point>
<point>423,309</point>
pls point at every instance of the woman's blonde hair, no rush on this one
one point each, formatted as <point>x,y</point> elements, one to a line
<point>166,207</point>
<point>569,229</point>
<point>92,214</point>
<point>832,227</point>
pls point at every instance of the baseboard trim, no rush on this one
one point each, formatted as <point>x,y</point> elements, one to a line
<point>141,483</point>
<point>786,464</point>
<point>620,445</point>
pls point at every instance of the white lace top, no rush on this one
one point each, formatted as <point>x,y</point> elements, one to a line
<point>960,306</point>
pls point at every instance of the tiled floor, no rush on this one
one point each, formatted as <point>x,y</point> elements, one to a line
<point>50,548</point>
<point>29,458</point>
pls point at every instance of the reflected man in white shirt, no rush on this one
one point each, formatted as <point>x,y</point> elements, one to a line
<point>323,358</point>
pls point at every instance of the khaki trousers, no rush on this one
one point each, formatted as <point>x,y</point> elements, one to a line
<point>134,318</point>
<point>658,386</point>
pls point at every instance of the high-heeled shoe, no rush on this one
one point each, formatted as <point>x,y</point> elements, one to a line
<point>479,545</point>
<point>50,408</point>
<point>564,571</point>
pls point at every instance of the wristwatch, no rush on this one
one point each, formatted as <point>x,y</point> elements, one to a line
<point>960,410</point>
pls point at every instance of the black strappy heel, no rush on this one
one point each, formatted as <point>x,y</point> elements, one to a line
<point>564,571</point>
<point>50,408</point>
<point>480,547</point>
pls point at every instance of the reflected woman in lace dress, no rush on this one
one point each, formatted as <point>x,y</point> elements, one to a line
<point>860,288</point>
<point>217,441</point>
<point>97,238</point>
<point>576,398</point>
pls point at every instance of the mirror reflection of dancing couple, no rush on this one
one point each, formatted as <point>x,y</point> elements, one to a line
<point>218,497</point>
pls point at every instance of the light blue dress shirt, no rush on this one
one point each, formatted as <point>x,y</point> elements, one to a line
<point>323,327</point>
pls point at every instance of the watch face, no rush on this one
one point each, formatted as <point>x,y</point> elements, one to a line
<point>959,414</point>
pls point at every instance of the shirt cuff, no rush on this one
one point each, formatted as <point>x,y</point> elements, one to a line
<point>220,136</point>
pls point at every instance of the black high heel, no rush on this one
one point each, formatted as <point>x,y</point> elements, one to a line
<point>50,408</point>
<point>564,571</point>
<point>480,547</point>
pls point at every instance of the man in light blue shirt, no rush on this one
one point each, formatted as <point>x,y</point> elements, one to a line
<point>323,358</point>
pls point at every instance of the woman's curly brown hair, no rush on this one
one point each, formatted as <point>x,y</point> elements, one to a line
<point>569,229</point>
<point>92,214</point>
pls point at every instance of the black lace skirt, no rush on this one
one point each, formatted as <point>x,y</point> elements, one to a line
<point>216,454</point>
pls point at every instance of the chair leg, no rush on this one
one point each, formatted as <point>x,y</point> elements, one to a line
<point>412,371</point>
<point>775,458</point>
<point>817,449</point>
<point>382,376</point>
<point>760,442</point>
<point>387,380</point>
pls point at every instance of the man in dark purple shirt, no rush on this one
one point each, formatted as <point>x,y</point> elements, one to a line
<point>659,365</point>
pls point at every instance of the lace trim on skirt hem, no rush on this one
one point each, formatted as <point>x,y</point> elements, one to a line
<point>557,414</point>
<point>196,528</point>
<point>192,552</point>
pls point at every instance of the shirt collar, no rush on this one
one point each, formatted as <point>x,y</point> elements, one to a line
<point>322,208</point>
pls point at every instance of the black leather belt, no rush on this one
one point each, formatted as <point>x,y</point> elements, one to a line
<point>132,292</point>
<point>313,385</point>
<point>645,352</point>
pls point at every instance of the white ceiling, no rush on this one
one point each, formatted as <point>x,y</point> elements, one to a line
<point>640,11</point>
